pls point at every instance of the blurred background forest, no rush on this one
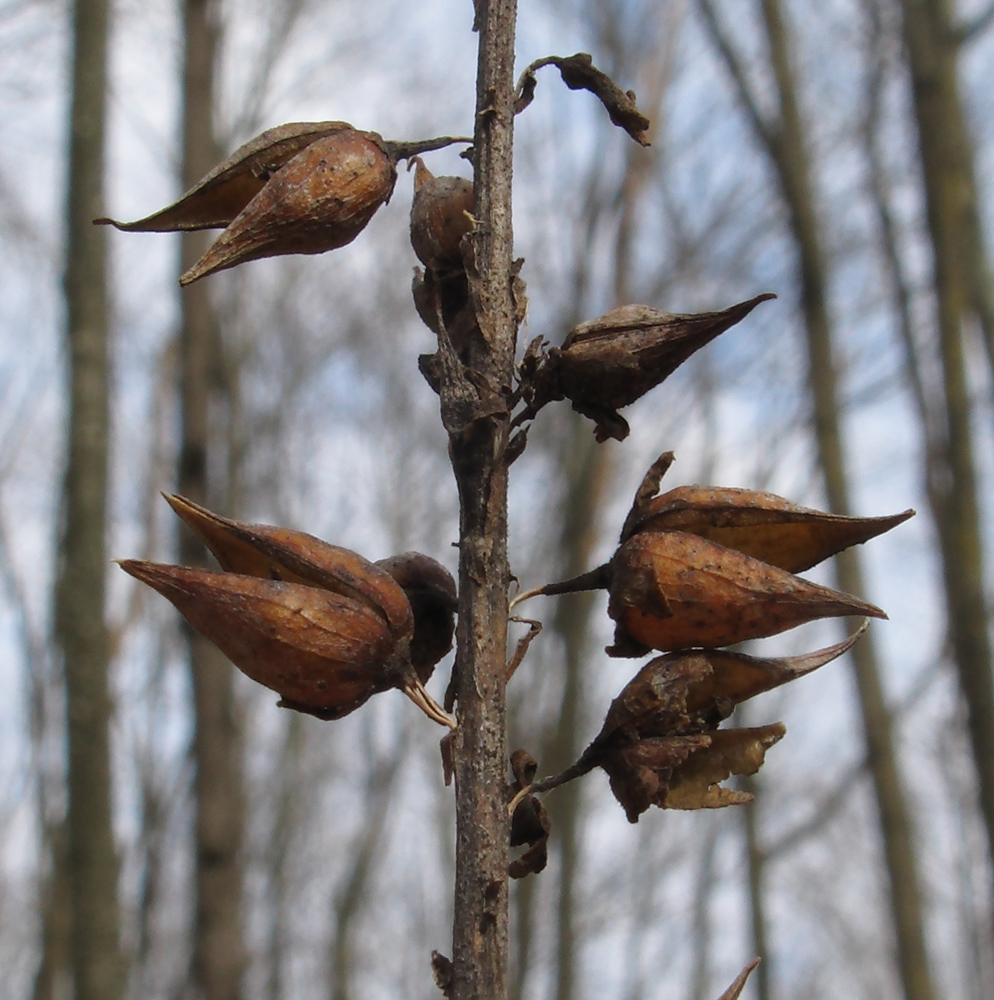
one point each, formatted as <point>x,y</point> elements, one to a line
<point>840,155</point>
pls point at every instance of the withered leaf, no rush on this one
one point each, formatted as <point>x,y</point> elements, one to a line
<point>579,73</point>
<point>275,553</point>
<point>761,525</point>
<point>214,201</point>
<point>323,653</point>
<point>319,200</point>
<point>672,590</point>
<point>530,822</point>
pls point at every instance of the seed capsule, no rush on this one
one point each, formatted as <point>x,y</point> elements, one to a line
<point>441,215</point>
<point>320,200</point>
<point>761,525</point>
<point>319,624</point>
<point>607,363</point>
<point>670,590</point>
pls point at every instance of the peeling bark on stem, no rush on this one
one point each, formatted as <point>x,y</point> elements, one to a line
<point>477,452</point>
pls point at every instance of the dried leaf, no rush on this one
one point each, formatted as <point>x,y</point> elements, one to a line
<point>671,590</point>
<point>761,525</point>
<point>214,201</point>
<point>319,200</point>
<point>579,73</point>
<point>530,823</point>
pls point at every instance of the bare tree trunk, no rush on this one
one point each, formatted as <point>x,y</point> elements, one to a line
<point>962,279</point>
<point>218,952</point>
<point>97,967</point>
<point>56,921</point>
<point>786,143</point>
<point>476,417</point>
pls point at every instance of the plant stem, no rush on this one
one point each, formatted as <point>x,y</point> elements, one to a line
<point>477,451</point>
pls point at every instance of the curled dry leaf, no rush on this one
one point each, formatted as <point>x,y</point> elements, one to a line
<point>530,822</point>
<point>317,623</point>
<point>579,73</point>
<point>761,525</point>
<point>608,363</point>
<point>671,590</point>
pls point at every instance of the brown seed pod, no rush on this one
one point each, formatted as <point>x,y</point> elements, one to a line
<point>671,590</point>
<point>214,201</point>
<point>761,525</point>
<point>317,623</point>
<point>441,215</point>
<point>325,654</point>
<point>319,200</point>
<point>607,363</point>
<point>275,553</point>
<point>693,691</point>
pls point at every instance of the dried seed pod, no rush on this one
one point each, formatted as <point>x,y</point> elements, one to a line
<point>317,623</point>
<point>693,691</point>
<point>431,593</point>
<point>761,525</point>
<point>607,363</point>
<point>319,200</point>
<point>275,553</point>
<point>325,654</point>
<point>441,215</point>
<point>671,590</point>
<point>685,772</point>
<point>214,201</point>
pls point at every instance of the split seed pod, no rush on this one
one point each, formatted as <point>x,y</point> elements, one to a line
<point>302,188</point>
<point>659,743</point>
<point>672,590</point>
<point>608,363</point>
<point>319,624</point>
